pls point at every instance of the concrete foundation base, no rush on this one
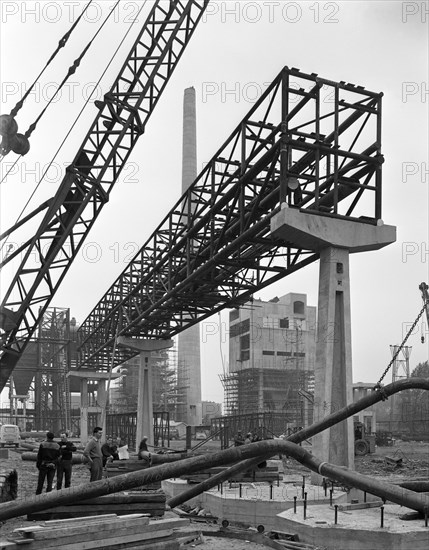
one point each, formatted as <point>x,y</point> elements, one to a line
<point>356,529</point>
<point>256,503</point>
<point>174,487</point>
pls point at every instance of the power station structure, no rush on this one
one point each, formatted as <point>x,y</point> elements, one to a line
<point>272,349</point>
<point>298,180</point>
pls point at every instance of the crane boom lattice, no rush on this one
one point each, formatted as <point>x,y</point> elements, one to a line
<point>89,180</point>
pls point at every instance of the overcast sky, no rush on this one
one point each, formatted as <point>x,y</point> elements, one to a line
<point>237,49</point>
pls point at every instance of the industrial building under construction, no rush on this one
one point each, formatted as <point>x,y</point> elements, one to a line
<point>298,182</point>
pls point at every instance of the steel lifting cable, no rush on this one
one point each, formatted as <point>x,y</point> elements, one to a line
<point>11,123</point>
<point>77,118</point>
<point>378,387</point>
<point>61,44</point>
<point>70,72</point>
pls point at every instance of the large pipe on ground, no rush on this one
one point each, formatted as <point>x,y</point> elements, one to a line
<point>402,496</point>
<point>393,493</point>
<point>31,456</point>
<point>305,433</point>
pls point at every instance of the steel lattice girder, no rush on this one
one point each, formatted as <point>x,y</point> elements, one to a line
<point>52,396</point>
<point>214,249</point>
<point>89,180</point>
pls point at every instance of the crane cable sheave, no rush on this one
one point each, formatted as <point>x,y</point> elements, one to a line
<point>12,140</point>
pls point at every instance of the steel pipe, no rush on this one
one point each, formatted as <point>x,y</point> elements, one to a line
<point>305,433</point>
<point>402,496</point>
<point>393,493</point>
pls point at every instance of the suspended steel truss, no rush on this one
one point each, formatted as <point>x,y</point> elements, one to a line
<point>69,215</point>
<point>309,142</point>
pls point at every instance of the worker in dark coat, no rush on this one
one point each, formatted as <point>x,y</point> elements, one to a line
<point>108,451</point>
<point>144,453</point>
<point>46,462</point>
<point>239,439</point>
<point>64,467</point>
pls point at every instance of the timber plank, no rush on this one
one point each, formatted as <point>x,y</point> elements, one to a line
<point>42,516</point>
<point>103,536</point>
<point>45,533</point>
<point>153,531</point>
<point>131,507</point>
<point>62,512</point>
<point>165,544</point>
<point>97,540</point>
<point>124,499</point>
<point>101,517</point>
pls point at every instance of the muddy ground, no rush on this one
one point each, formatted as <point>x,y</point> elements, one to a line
<point>414,465</point>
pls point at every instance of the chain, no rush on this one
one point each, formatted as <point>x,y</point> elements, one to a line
<point>377,387</point>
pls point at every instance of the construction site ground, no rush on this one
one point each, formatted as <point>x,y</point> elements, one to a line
<point>414,465</point>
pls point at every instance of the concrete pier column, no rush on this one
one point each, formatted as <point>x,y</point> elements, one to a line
<point>144,396</point>
<point>333,371</point>
<point>333,239</point>
<point>144,400</point>
<point>84,411</point>
<point>85,407</point>
<point>101,402</point>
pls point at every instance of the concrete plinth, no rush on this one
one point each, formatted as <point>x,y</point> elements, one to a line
<point>174,487</point>
<point>255,503</point>
<point>357,529</point>
<point>144,397</point>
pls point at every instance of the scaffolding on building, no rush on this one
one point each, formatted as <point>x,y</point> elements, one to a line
<point>181,390</point>
<point>265,390</point>
<point>265,425</point>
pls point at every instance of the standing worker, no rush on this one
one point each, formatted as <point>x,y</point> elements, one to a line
<point>64,467</point>
<point>239,439</point>
<point>107,451</point>
<point>94,456</point>
<point>47,460</point>
<point>144,453</point>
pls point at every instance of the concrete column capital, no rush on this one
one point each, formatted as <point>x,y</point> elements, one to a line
<point>142,344</point>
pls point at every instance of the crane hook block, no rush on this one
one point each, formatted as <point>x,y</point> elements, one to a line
<point>8,126</point>
<point>19,144</point>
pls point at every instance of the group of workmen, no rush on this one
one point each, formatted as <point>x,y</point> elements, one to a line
<point>250,438</point>
<point>57,458</point>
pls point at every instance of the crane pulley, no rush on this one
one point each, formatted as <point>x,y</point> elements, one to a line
<point>12,140</point>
